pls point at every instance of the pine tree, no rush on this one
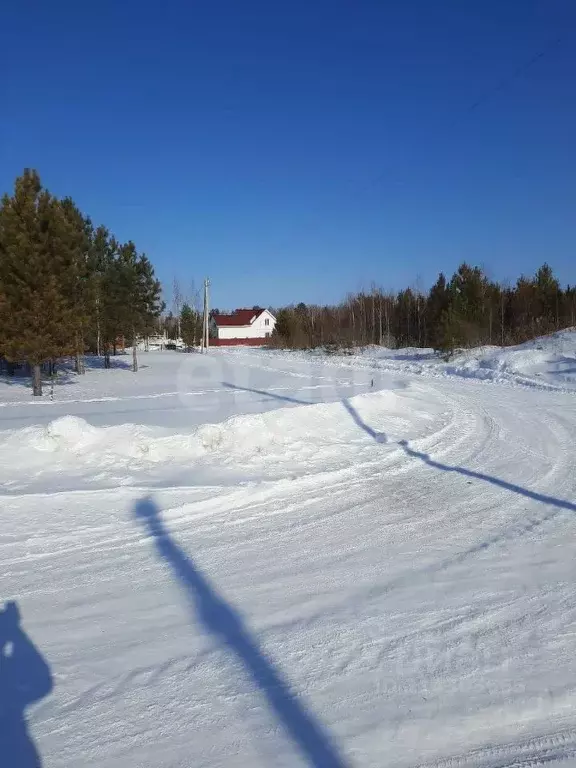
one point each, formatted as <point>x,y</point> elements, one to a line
<point>140,293</point>
<point>469,303</point>
<point>114,298</point>
<point>37,318</point>
<point>405,320</point>
<point>449,332</point>
<point>189,326</point>
<point>103,249</point>
<point>523,310</point>
<point>75,238</point>
<point>547,299</point>
<point>438,303</point>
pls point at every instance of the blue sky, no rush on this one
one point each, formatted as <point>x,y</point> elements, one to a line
<point>299,149</point>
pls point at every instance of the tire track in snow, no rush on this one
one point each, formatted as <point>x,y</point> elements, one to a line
<point>446,519</point>
<point>539,750</point>
<point>160,395</point>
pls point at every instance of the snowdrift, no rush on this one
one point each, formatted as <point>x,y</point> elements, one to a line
<point>548,362</point>
<point>260,445</point>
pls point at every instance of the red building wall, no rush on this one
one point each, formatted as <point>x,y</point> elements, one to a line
<point>238,342</point>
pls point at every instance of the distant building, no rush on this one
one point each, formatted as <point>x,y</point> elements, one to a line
<point>159,341</point>
<point>249,327</point>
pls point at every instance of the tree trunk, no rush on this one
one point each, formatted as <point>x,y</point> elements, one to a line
<point>557,313</point>
<point>106,358</point>
<point>52,371</point>
<point>407,342</point>
<point>353,323</point>
<point>134,354</point>
<point>79,355</point>
<point>37,380</point>
<point>98,336</point>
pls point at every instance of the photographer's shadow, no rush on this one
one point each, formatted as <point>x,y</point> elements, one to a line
<point>25,678</point>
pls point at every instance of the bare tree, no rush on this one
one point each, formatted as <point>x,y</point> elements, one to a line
<point>504,286</point>
<point>373,302</point>
<point>388,306</point>
<point>352,317</point>
<point>196,304</point>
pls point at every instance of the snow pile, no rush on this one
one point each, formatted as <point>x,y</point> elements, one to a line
<point>548,361</point>
<point>303,437</point>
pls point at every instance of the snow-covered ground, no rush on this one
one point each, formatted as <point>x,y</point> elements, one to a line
<point>545,363</point>
<point>270,559</point>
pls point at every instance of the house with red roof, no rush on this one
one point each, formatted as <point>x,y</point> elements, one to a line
<point>248,327</point>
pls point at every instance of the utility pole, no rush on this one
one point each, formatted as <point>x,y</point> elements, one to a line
<point>98,350</point>
<point>205,324</point>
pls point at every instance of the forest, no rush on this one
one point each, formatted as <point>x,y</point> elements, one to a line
<point>66,286</point>
<point>465,311</point>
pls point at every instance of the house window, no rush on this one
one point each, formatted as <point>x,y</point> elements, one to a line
<point>267,334</point>
<point>266,321</point>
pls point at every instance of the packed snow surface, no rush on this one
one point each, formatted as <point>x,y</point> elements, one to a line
<point>262,558</point>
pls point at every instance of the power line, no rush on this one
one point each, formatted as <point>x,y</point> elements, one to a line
<point>487,95</point>
<point>482,99</point>
<point>519,71</point>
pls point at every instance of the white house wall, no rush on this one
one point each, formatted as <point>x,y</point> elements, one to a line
<point>260,326</point>
<point>257,330</point>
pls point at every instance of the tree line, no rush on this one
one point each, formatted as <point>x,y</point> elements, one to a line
<point>66,286</point>
<point>467,310</point>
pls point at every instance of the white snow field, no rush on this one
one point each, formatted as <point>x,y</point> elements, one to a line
<point>257,559</point>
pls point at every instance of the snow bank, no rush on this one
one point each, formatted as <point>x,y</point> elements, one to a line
<point>269,444</point>
<point>74,437</point>
<point>548,362</point>
<point>239,435</point>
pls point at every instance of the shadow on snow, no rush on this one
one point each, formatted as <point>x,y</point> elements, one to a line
<point>226,624</point>
<point>509,533</point>
<point>264,393</point>
<point>541,497</point>
<point>24,679</point>
<point>524,527</point>
<point>379,437</point>
<point>65,374</point>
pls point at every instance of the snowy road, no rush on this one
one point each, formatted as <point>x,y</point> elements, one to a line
<point>383,577</point>
<point>176,390</point>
